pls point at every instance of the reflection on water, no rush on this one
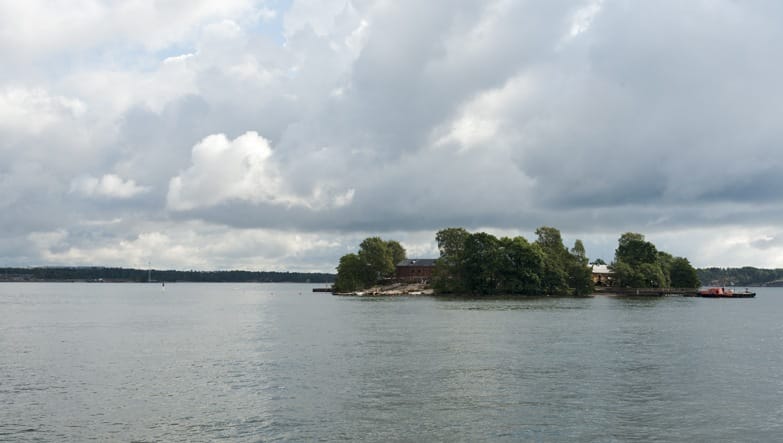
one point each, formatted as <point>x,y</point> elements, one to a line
<point>513,303</point>
<point>276,362</point>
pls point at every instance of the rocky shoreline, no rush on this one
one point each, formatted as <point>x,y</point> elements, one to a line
<point>393,289</point>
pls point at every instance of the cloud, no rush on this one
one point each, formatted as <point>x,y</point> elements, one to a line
<point>335,119</point>
<point>242,169</point>
<point>583,18</point>
<point>108,186</point>
<point>31,110</point>
<point>190,245</point>
<point>85,25</point>
<point>767,242</point>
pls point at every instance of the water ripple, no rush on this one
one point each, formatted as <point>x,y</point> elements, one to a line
<point>209,362</point>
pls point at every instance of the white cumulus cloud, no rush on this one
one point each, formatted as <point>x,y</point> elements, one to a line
<point>243,169</point>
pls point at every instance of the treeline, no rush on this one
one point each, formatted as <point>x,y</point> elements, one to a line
<point>480,263</point>
<point>745,276</point>
<point>142,275</point>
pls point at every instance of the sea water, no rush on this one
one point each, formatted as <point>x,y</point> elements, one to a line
<point>266,362</point>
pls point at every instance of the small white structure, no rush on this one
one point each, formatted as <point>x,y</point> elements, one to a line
<point>602,275</point>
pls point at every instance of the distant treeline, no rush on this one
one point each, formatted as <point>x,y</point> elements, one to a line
<point>142,275</point>
<point>745,276</point>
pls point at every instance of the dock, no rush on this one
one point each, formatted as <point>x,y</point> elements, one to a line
<point>647,292</point>
<point>329,289</point>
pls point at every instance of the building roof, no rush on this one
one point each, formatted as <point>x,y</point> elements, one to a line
<point>602,269</point>
<point>417,262</point>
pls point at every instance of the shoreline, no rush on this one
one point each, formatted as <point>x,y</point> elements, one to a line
<point>391,290</point>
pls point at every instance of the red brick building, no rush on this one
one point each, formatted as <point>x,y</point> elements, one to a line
<point>415,269</point>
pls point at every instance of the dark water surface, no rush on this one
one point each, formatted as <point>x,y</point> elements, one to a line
<point>203,362</point>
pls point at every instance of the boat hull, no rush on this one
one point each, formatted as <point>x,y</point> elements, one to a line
<point>724,293</point>
<point>734,295</point>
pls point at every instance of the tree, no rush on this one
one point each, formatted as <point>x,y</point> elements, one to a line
<point>551,242</point>
<point>480,263</point>
<point>580,274</point>
<point>554,278</point>
<point>665,261</point>
<point>598,261</point>
<point>376,259</point>
<point>396,250</point>
<point>626,276</point>
<point>578,251</point>
<point>639,264</point>
<point>634,250</point>
<point>374,252</point>
<point>352,274</point>
<point>682,274</point>
<point>520,266</point>
<point>451,242</point>
<point>652,276</point>
<point>646,275</point>
<point>448,273</point>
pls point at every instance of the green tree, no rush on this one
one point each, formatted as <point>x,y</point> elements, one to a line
<point>578,252</point>
<point>375,260</point>
<point>682,274</point>
<point>554,278</point>
<point>580,274</point>
<point>626,276</point>
<point>451,242</point>
<point>665,261</point>
<point>639,264</point>
<point>634,250</point>
<point>520,266</point>
<point>551,242</point>
<point>396,250</point>
<point>448,276</point>
<point>652,276</point>
<point>374,252</point>
<point>481,263</point>
<point>352,274</point>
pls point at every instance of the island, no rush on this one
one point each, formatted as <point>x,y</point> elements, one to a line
<point>480,264</point>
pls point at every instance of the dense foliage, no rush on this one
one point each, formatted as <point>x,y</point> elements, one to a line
<point>447,277</point>
<point>375,260</point>
<point>480,263</point>
<point>639,264</point>
<point>682,274</point>
<point>142,275</point>
<point>746,276</point>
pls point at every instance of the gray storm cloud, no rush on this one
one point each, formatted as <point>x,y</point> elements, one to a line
<point>148,128</point>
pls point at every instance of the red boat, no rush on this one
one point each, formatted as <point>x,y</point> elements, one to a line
<point>724,293</point>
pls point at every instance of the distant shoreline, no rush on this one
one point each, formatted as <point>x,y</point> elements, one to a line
<point>132,275</point>
<point>152,282</point>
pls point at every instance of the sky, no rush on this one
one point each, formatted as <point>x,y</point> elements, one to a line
<point>276,135</point>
